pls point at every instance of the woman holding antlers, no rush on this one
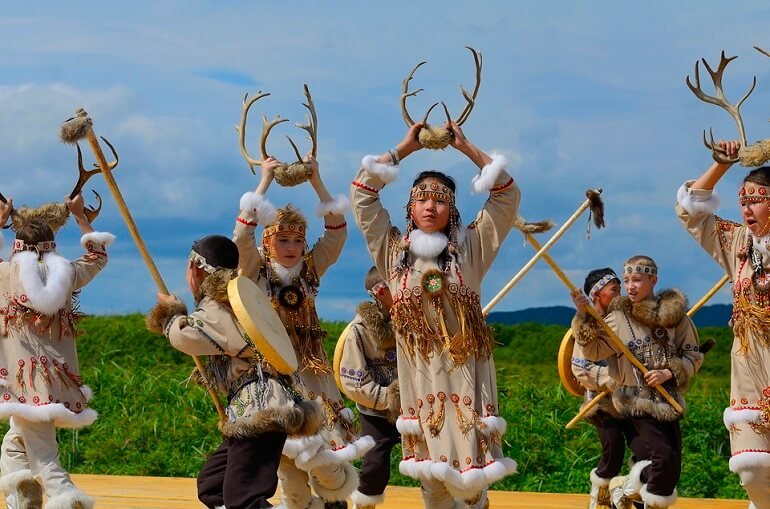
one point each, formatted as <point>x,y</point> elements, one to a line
<point>450,427</point>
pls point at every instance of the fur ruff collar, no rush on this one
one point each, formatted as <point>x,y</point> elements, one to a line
<point>666,309</point>
<point>427,245</point>
<point>380,327</point>
<point>47,283</point>
<point>286,275</point>
<point>215,285</point>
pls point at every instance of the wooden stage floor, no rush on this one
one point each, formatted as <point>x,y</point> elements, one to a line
<point>126,492</point>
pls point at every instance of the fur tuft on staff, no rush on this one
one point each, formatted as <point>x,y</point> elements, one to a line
<point>537,227</point>
<point>76,128</point>
<point>597,207</point>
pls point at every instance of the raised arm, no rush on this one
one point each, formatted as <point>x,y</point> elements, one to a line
<point>254,209</point>
<point>95,243</point>
<point>329,246</point>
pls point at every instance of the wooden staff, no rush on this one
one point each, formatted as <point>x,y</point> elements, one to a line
<point>541,253</point>
<point>583,411</point>
<point>81,126</point>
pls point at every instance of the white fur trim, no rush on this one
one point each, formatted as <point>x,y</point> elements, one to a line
<point>485,180</point>
<point>56,412</point>
<point>102,239</point>
<point>10,482</point>
<point>699,201</point>
<point>409,426</point>
<point>338,205</point>
<point>302,445</point>
<point>67,499</point>
<point>260,206</point>
<point>350,452</point>
<point>748,460</point>
<point>87,392</point>
<point>494,424</point>
<point>220,507</point>
<point>743,416</point>
<point>386,172</point>
<point>597,481</point>
<point>359,499</point>
<point>51,296</point>
<point>341,493</point>
<point>635,475</point>
<point>657,501</point>
<point>461,485</point>
<point>286,274</point>
<point>427,245</point>
<point>348,414</point>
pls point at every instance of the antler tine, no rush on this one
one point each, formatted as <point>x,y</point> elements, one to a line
<point>405,94</point>
<point>296,150</point>
<point>113,164</point>
<point>763,51</point>
<point>720,99</point>
<point>312,124</point>
<point>91,212</point>
<point>266,128</point>
<point>471,98</point>
<point>83,174</point>
<point>241,128</point>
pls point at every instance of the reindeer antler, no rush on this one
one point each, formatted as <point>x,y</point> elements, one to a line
<point>84,175</point>
<point>405,94</point>
<point>266,127</point>
<point>471,98</point>
<point>312,122</point>
<point>720,100</point>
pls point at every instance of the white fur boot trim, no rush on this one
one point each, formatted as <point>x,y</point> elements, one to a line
<point>100,239</point>
<point>359,499</point>
<point>494,424</point>
<point>264,211</point>
<point>742,461</point>
<point>386,172</point>
<point>220,507</point>
<point>635,475</point>
<point>338,205</point>
<point>10,482</point>
<point>599,482</point>
<point>657,501</point>
<point>343,455</point>
<point>460,485</point>
<point>409,426</point>
<point>697,201</point>
<point>485,180</point>
<point>341,493</point>
<point>68,499</point>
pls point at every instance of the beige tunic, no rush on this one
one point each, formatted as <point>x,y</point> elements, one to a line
<point>748,416</point>
<point>660,335</point>
<point>449,423</point>
<point>39,372</point>
<point>595,377</point>
<point>368,365</point>
<point>337,442</point>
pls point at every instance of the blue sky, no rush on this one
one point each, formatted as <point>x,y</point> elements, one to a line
<point>577,94</point>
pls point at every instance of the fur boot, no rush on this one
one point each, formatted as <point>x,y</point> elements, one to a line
<point>361,501</point>
<point>600,492</point>
<point>624,490</point>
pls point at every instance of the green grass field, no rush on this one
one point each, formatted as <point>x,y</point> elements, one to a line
<point>152,423</point>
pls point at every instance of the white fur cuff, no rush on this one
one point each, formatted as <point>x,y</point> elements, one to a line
<point>486,180</point>
<point>99,238</point>
<point>409,426</point>
<point>749,460</point>
<point>260,206</point>
<point>697,201</point>
<point>386,172</point>
<point>338,205</point>
<point>743,416</point>
<point>494,424</point>
<point>653,500</point>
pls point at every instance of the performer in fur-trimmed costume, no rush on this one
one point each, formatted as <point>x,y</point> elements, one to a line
<point>290,275</point>
<point>449,423</point>
<point>39,373</point>
<point>369,377</point>
<point>658,332</point>
<point>263,407</point>
<point>601,287</point>
<point>743,252</point>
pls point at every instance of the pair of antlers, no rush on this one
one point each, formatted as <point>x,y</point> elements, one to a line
<point>311,127</point>
<point>720,100</point>
<point>470,98</point>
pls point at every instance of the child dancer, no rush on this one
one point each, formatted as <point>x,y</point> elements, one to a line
<point>263,407</point>
<point>369,377</point>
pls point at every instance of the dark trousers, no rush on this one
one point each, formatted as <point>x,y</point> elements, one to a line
<point>242,473</point>
<point>375,471</point>
<point>614,434</point>
<point>662,445</point>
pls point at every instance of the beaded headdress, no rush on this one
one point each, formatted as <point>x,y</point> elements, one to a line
<point>640,268</point>
<point>288,220</point>
<point>40,247</point>
<point>604,281</point>
<point>751,192</point>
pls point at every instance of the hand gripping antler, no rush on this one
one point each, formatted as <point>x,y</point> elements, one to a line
<point>266,128</point>
<point>720,100</point>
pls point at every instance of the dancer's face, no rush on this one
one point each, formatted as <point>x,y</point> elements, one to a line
<point>430,214</point>
<point>639,286</point>
<point>194,277</point>
<point>756,215</point>
<point>287,249</point>
<point>605,296</point>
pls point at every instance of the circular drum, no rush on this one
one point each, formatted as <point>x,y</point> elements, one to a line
<point>339,350</point>
<point>263,325</point>
<point>564,362</point>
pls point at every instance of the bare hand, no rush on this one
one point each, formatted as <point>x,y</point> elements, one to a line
<point>75,205</point>
<point>269,165</point>
<point>656,377</point>
<point>458,141</point>
<point>311,161</point>
<point>410,143</point>
<point>580,301</point>
<point>167,299</point>
<point>6,208</point>
<point>731,147</point>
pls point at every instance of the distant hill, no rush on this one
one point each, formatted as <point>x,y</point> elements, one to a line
<point>715,315</point>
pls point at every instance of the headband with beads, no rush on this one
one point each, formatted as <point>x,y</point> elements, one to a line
<point>431,189</point>
<point>41,247</point>
<point>752,193</point>
<point>639,268</point>
<point>277,228</point>
<point>604,281</point>
<point>200,261</point>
